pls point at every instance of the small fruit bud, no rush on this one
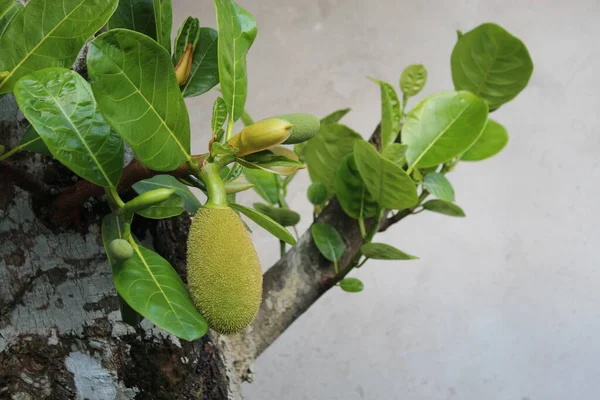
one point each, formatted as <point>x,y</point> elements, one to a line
<point>317,193</point>
<point>306,126</point>
<point>184,66</point>
<point>260,136</point>
<point>120,250</point>
<point>147,199</point>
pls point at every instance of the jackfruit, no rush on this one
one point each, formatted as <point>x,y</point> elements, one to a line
<point>223,270</point>
<point>120,250</point>
<point>305,127</point>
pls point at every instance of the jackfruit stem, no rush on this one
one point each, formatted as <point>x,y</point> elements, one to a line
<point>217,196</point>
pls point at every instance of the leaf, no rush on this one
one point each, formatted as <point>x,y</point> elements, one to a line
<point>237,31</point>
<point>5,5</point>
<point>188,33</point>
<point>335,116</point>
<point>382,251</point>
<point>266,223</point>
<point>351,192</point>
<point>204,74</point>
<point>491,142</point>
<point>439,186</point>
<point>389,185</point>
<point>444,207</point>
<point>324,153</point>
<point>33,142</point>
<point>491,63</point>
<point>317,194</point>
<point>396,153</point>
<point>279,165</point>
<point>351,285</point>
<point>267,159</point>
<point>163,14</point>
<point>413,79</point>
<point>442,126</point>
<point>134,83</point>
<point>9,14</point>
<point>217,149</point>
<point>43,35</point>
<point>265,184</point>
<point>171,207</point>
<point>282,216</point>
<point>390,113</point>
<point>60,105</point>
<point>191,202</point>
<point>219,114</point>
<point>150,285</point>
<point>328,241</point>
<point>135,15</point>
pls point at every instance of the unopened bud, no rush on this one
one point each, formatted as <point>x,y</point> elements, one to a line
<point>184,66</point>
<point>261,136</point>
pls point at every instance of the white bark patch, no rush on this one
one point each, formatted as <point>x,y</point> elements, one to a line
<point>92,381</point>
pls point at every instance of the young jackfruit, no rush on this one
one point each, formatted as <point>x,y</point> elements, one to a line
<point>223,270</point>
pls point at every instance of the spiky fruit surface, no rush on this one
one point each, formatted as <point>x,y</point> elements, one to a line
<point>223,270</point>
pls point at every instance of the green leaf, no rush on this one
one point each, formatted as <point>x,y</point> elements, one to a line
<point>246,119</point>
<point>335,116</point>
<point>491,142</point>
<point>491,63</point>
<point>266,223</point>
<point>328,241</point>
<point>188,33</point>
<point>44,35</point>
<point>439,186</point>
<point>33,142</point>
<point>265,184</point>
<point>9,14</point>
<point>268,159</point>
<point>135,85</point>
<point>60,105</point>
<point>135,15</point>
<point>5,5</point>
<point>442,126</point>
<point>191,202</point>
<point>282,216</point>
<point>219,114</point>
<point>163,15</point>
<point>204,74</point>
<point>351,285</point>
<point>324,153</point>
<point>351,192</point>
<point>171,207</point>
<point>390,113</point>
<point>382,251</point>
<point>317,194</point>
<point>237,31</point>
<point>150,285</point>
<point>388,183</point>
<point>217,149</point>
<point>396,153</point>
<point>444,207</point>
<point>413,79</point>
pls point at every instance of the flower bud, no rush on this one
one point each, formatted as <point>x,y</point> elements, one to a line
<point>261,136</point>
<point>147,199</point>
<point>184,66</point>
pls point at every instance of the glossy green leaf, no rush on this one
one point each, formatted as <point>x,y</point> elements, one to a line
<point>5,5</point>
<point>335,116</point>
<point>218,149</point>
<point>191,202</point>
<point>237,187</point>
<point>390,113</point>
<point>328,241</point>
<point>382,251</point>
<point>204,74</point>
<point>265,184</point>
<point>8,15</point>
<point>59,104</point>
<point>134,82</point>
<point>442,126</point>
<point>219,114</point>
<point>282,216</point>
<point>266,222</point>
<point>237,31</point>
<point>491,142</point>
<point>267,159</point>
<point>150,285</point>
<point>171,207</point>
<point>351,192</point>
<point>44,35</point>
<point>317,194</point>
<point>324,153</point>
<point>163,14</point>
<point>396,153</point>
<point>439,186</point>
<point>136,15</point>
<point>351,285</point>
<point>387,182</point>
<point>491,63</point>
<point>32,141</point>
<point>188,33</point>
<point>444,207</point>
<point>413,79</point>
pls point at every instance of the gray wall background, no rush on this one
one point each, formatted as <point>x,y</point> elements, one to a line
<point>502,304</point>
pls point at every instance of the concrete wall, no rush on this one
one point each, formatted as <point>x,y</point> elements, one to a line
<point>502,304</point>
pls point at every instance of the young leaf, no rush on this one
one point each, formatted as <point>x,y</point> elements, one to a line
<point>282,216</point>
<point>439,186</point>
<point>351,285</point>
<point>444,207</point>
<point>135,15</point>
<point>328,241</point>
<point>491,142</point>
<point>491,63</point>
<point>389,185</point>
<point>32,141</point>
<point>396,153</point>
<point>335,116</point>
<point>59,104</point>
<point>382,251</point>
<point>205,70</point>
<point>171,207</point>
<point>150,285</point>
<point>237,31</point>
<point>265,184</point>
<point>219,114</point>
<point>237,187</point>
<point>188,33</point>
<point>351,192</point>
<point>134,82</point>
<point>266,223</point>
<point>390,113</point>
<point>442,126</point>
<point>317,194</point>
<point>44,35</point>
<point>163,15</point>
<point>413,79</point>
<point>191,202</point>
<point>217,149</point>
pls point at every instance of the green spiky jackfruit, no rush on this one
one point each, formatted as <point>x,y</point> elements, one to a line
<point>223,270</point>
